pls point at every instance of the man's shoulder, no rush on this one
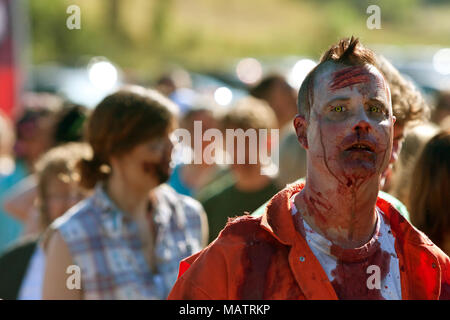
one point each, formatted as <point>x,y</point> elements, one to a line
<point>241,227</point>
<point>419,250</point>
<point>400,226</point>
<point>407,234</point>
<point>396,203</point>
<point>214,272</point>
<point>239,234</point>
<point>236,234</point>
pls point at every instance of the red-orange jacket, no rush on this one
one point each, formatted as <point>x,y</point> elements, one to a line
<point>266,258</point>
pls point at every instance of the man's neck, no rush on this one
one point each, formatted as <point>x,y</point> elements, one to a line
<point>344,215</point>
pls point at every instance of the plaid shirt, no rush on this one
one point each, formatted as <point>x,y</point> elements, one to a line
<point>105,244</point>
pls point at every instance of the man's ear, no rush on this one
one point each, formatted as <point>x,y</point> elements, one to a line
<point>301,126</point>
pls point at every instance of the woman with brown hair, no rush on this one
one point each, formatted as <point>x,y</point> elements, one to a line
<point>125,241</point>
<point>429,201</point>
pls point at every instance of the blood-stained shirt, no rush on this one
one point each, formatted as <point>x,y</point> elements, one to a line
<point>368,272</point>
<point>268,257</point>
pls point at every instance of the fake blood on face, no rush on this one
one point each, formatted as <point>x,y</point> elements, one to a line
<point>348,77</point>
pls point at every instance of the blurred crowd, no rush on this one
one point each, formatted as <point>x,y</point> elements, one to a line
<point>109,190</point>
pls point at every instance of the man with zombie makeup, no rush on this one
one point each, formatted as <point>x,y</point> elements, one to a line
<point>410,110</point>
<point>330,237</point>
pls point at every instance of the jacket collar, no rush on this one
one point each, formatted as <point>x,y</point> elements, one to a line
<point>277,218</point>
<point>309,274</point>
<point>419,267</point>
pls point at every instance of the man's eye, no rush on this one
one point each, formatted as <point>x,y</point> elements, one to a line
<point>374,109</point>
<point>338,109</point>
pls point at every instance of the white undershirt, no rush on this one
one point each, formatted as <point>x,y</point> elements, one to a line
<point>390,287</point>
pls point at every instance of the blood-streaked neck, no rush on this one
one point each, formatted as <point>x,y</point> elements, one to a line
<point>344,215</point>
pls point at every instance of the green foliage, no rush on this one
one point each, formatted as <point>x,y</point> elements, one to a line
<point>204,34</point>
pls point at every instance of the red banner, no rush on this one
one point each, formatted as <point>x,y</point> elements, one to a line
<point>8,83</point>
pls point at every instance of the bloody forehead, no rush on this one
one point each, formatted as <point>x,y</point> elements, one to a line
<point>349,76</point>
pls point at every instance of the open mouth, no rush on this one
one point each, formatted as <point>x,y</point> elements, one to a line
<point>360,147</point>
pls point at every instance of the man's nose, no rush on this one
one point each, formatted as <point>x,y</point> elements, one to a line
<point>362,124</point>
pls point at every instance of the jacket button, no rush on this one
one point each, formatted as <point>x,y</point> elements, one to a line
<point>302,259</point>
<point>434,265</point>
